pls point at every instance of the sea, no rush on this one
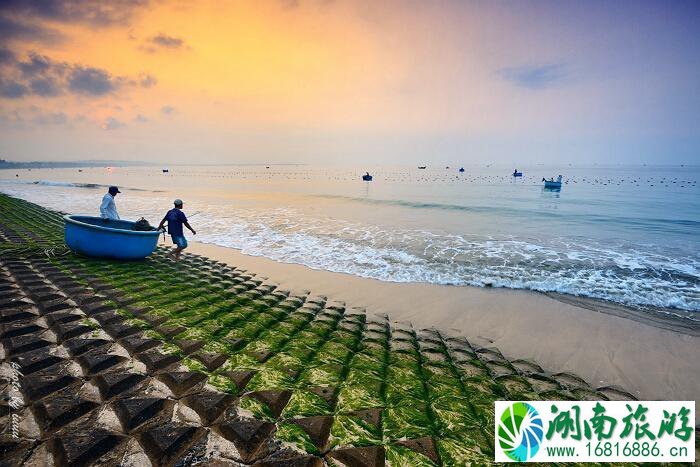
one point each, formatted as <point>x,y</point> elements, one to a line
<point>625,234</point>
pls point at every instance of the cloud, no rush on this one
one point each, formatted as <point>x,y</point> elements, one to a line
<point>32,117</point>
<point>112,123</point>
<point>36,64</point>
<point>94,13</point>
<point>162,41</point>
<point>12,89</point>
<point>12,29</point>
<point>289,4</point>
<point>45,87</point>
<point>41,76</point>
<point>52,118</point>
<point>31,20</point>
<point>92,81</point>
<point>147,81</point>
<point>166,41</point>
<point>535,77</point>
<point>167,109</point>
<point>294,4</point>
<point>7,56</point>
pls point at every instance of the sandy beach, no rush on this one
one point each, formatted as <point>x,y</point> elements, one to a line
<point>606,346</point>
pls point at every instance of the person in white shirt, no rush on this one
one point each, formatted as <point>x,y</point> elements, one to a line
<point>108,209</point>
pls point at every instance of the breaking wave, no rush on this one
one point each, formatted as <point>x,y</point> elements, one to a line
<point>80,185</point>
<point>652,274</point>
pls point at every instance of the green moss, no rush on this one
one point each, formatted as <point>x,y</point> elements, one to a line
<point>256,409</point>
<point>362,363</point>
<point>257,346</point>
<point>270,378</point>
<point>168,348</point>
<point>152,334</point>
<point>463,451</point>
<point>223,383</point>
<point>284,360</point>
<point>194,365</point>
<point>334,352</point>
<point>139,323</point>
<point>193,333</point>
<point>293,436</point>
<point>91,323</point>
<point>241,360</point>
<point>445,386</point>
<point>406,420</point>
<point>322,375</point>
<point>348,430</point>
<point>357,397</point>
<point>365,375</point>
<point>400,456</point>
<point>216,346</point>
<point>454,422</point>
<point>306,404</point>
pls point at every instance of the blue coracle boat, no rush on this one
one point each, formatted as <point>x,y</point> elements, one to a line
<point>552,184</point>
<point>103,238</point>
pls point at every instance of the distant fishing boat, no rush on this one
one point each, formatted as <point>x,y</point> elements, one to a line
<point>422,167</point>
<point>553,184</point>
<point>165,170</point>
<point>367,177</point>
<point>461,169</point>
<point>517,174</point>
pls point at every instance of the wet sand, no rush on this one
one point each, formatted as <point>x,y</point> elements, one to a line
<point>650,356</point>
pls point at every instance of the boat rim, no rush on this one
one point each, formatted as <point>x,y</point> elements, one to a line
<point>69,218</point>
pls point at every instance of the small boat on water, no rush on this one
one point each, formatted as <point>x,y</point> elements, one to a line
<point>422,167</point>
<point>461,169</point>
<point>517,174</point>
<point>165,170</point>
<point>552,184</point>
<point>367,177</point>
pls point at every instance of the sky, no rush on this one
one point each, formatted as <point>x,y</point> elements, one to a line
<point>351,81</point>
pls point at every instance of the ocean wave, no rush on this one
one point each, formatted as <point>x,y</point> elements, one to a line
<point>628,274</point>
<point>66,184</point>
<point>664,274</point>
<point>54,183</point>
<point>642,222</point>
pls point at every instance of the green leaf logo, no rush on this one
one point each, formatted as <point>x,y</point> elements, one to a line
<point>520,431</point>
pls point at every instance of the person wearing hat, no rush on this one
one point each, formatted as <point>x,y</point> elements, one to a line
<point>108,209</point>
<point>176,219</point>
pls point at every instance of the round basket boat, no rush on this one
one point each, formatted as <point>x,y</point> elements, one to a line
<point>104,238</point>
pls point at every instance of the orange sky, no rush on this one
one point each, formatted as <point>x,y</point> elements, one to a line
<point>296,81</point>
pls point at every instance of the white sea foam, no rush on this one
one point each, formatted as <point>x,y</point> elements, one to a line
<point>66,184</point>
